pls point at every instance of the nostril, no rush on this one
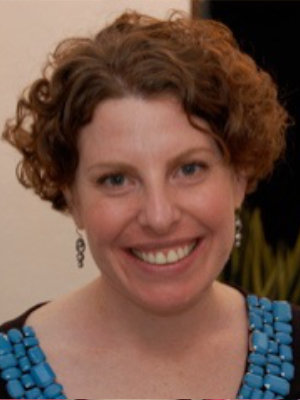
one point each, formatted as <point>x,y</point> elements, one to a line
<point>158,212</point>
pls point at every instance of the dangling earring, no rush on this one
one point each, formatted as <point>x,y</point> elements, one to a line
<point>80,249</point>
<point>238,230</point>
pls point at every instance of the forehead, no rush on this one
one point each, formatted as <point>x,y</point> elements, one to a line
<point>141,125</point>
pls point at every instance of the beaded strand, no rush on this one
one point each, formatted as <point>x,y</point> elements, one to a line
<point>270,362</point>
<point>24,367</point>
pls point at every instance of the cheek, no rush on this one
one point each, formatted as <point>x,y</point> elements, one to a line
<point>215,211</point>
<point>220,222</point>
<point>101,232</point>
<point>215,203</point>
<point>222,228</point>
<point>105,222</point>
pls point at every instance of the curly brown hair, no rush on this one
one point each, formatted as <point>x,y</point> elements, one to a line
<point>197,61</point>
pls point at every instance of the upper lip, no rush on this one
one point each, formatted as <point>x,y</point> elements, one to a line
<point>155,245</point>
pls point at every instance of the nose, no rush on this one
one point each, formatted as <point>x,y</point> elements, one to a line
<point>159,212</point>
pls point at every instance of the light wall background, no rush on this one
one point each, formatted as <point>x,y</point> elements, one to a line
<point>37,255</point>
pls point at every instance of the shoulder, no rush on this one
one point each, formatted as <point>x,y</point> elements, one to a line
<point>286,312</point>
<point>296,314</point>
<point>16,323</point>
<point>19,321</point>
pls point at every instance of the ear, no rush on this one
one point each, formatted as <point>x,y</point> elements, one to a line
<point>73,206</point>
<point>240,188</point>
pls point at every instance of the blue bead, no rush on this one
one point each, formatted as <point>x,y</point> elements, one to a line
<point>285,352</point>
<point>15,389</point>
<point>265,303</point>
<point>43,374</point>
<point>19,350</point>
<point>283,338</point>
<point>28,331</point>
<point>255,321</point>
<point>252,300</point>
<point>15,336</point>
<point>256,394</point>
<point>30,341</point>
<point>62,396</point>
<point>257,311</point>
<point>287,370</point>
<point>268,329</point>
<point>273,369</point>
<point>256,369</point>
<point>269,395</point>
<point>282,311</point>
<point>24,364</point>
<point>245,391</point>
<point>260,342</point>
<point>36,355</point>
<point>11,373</point>
<point>5,345</point>
<point>7,361</point>
<point>52,391</point>
<point>34,393</point>
<point>27,381</point>
<point>254,381</point>
<point>283,327</point>
<point>268,317</point>
<point>272,359</point>
<point>257,359</point>
<point>273,347</point>
<point>277,384</point>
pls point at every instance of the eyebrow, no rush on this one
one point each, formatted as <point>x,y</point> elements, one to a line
<point>171,163</point>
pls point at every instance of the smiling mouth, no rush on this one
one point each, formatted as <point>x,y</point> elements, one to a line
<point>167,256</point>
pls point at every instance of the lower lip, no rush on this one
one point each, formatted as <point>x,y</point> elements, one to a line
<point>166,269</point>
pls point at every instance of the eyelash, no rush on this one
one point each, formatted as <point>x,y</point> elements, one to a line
<point>105,178</point>
<point>201,165</point>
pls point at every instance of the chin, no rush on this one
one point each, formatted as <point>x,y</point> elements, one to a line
<point>167,304</point>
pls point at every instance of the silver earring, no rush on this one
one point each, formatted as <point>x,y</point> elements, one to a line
<point>80,249</point>
<point>238,230</point>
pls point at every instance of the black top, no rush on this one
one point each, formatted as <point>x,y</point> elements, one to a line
<point>295,384</point>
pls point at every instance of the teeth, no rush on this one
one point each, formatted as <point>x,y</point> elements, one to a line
<point>160,258</point>
<point>180,252</point>
<point>172,256</point>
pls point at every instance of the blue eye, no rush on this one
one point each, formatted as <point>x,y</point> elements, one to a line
<point>112,180</point>
<point>191,168</point>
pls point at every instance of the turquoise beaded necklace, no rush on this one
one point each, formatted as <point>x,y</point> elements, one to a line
<point>270,362</point>
<point>24,367</point>
<point>270,368</point>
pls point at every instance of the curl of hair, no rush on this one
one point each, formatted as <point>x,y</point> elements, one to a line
<point>197,61</point>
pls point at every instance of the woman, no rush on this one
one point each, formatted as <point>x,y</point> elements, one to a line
<point>150,135</point>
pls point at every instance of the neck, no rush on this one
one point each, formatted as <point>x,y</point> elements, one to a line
<point>157,334</point>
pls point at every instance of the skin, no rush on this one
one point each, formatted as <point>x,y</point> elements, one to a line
<point>166,326</point>
<point>161,196</point>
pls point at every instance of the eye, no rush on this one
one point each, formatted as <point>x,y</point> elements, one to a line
<point>192,168</point>
<point>112,180</point>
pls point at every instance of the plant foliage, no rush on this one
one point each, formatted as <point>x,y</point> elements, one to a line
<point>259,269</point>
